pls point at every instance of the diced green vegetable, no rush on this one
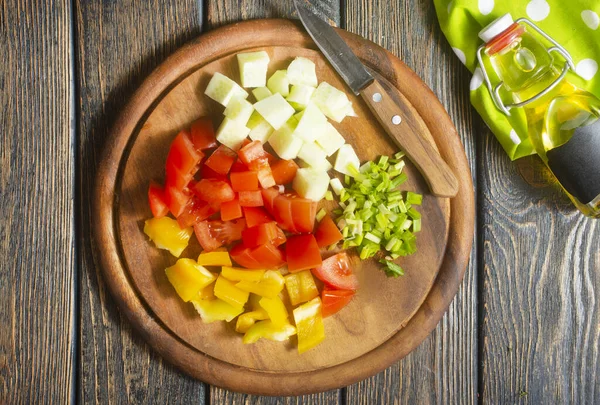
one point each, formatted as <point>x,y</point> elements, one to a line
<point>321,214</point>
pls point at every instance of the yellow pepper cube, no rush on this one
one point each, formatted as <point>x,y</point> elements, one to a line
<point>218,258</point>
<point>216,310</point>
<point>166,234</point>
<point>270,285</point>
<point>276,310</point>
<point>309,324</point>
<point>228,292</point>
<point>301,287</point>
<point>267,330</point>
<point>188,278</point>
<point>239,274</point>
<point>207,293</point>
<point>245,321</point>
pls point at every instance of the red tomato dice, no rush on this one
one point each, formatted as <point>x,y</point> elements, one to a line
<point>253,151</point>
<point>327,232</point>
<point>231,210</point>
<point>303,213</point>
<point>156,198</point>
<point>251,198</point>
<point>244,181</point>
<point>221,160</point>
<point>195,211</point>
<point>282,211</point>
<point>213,190</point>
<point>259,234</point>
<point>213,234</point>
<point>302,253</point>
<point>280,239</point>
<point>238,167</point>
<point>203,134</point>
<point>208,173</point>
<point>263,171</point>
<point>269,195</point>
<point>178,179</point>
<point>183,156</point>
<point>284,171</point>
<point>256,216</point>
<point>334,300</point>
<point>268,256</point>
<point>176,199</point>
<point>336,272</point>
<point>243,257</point>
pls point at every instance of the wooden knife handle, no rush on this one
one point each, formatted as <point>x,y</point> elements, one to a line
<point>434,169</point>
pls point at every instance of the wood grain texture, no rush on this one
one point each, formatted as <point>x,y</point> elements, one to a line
<point>220,13</point>
<point>118,44</point>
<point>37,219</point>
<point>541,292</point>
<point>443,369</point>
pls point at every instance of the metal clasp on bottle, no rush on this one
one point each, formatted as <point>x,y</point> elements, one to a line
<point>495,91</point>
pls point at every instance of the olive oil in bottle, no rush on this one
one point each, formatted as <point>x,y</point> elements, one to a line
<point>563,120</point>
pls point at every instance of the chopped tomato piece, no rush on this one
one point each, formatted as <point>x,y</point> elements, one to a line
<point>304,212</point>
<point>327,232</point>
<point>256,216</point>
<point>221,160</point>
<point>282,211</point>
<point>203,134</point>
<point>284,171</point>
<point>337,273</point>
<point>269,196</point>
<point>268,256</point>
<point>244,181</point>
<point>195,211</point>
<point>156,198</point>
<point>280,238</point>
<point>208,173</point>
<point>259,234</point>
<point>334,300</point>
<point>263,171</point>
<point>242,256</point>
<point>231,210</point>
<point>213,190</point>
<point>302,253</point>
<point>214,234</point>
<point>251,198</point>
<point>176,199</point>
<point>253,151</point>
<point>238,167</point>
<point>183,156</point>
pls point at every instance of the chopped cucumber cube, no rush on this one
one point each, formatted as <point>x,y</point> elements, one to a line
<point>261,92</point>
<point>222,89</point>
<point>253,68</point>
<point>302,71</point>
<point>314,156</point>
<point>239,110</point>
<point>279,83</point>
<point>232,133</point>
<point>346,157</point>
<point>260,129</point>
<point>311,183</point>
<point>275,110</point>
<point>331,101</point>
<point>330,139</point>
<point>311,123</point>
<point>284,142</point>
<point>300,96</point>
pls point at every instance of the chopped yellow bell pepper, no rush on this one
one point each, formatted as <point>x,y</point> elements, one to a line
<point>267,330</point>
<point>276,310</point>
<point>188,278</point>
<point>216,310</point>
<point>245,321</point>
<point>166,234</point>
<point>239,274</point>
<point>270,285</point>
<point>218,258</point>
<point>309,323</point>
<point>228,292</point>
<point>207,293</point>
<point>301,287</point>
<point>254,303</point>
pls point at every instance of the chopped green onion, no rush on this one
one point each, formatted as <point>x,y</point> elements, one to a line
<point>392,269</point>
<point>372,237</point>
<point>416,226</point>
<point>414,198</point>
<point>321,214</point>
<point>329,195</point>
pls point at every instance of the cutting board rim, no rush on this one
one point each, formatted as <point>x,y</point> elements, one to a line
<point>217,372</point>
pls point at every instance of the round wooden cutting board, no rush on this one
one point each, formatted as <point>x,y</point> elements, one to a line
<point>388,317</point>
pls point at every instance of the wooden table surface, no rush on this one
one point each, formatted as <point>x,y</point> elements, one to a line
<point>523,328</point>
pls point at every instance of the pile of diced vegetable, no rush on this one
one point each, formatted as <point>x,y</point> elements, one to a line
<point>258,207</point>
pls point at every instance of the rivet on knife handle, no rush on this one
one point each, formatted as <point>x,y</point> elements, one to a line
<point>434,169</point>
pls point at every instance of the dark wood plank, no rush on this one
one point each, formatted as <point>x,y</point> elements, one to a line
<point>221,13</point>
<point>444,368</point>
<point>541,287</point>
<point>117,46</point>
<point>37,220</point>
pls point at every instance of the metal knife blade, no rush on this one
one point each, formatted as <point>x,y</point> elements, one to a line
<point>335,49</point>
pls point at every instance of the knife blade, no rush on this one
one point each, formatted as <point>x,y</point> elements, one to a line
<point>424,156</point>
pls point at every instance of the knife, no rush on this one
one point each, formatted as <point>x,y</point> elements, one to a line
<point>428,161</point>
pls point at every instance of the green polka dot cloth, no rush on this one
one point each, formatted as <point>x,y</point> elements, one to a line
<point>575,24</point>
